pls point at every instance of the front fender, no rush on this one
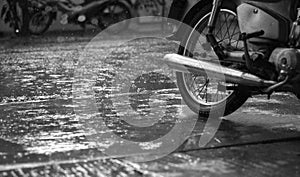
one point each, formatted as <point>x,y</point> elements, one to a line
<point>193,7</point>
<point>193,4</point>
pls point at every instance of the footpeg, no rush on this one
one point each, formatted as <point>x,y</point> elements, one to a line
<point>246,36</point>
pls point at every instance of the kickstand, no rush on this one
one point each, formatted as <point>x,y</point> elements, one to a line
<point>244,37</point>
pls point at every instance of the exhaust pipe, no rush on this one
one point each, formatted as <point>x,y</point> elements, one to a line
<point>189,65</point>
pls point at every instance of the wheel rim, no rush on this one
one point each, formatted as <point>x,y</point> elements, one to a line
<point>201,88</point>
<point>39,22</point>
<point>113,14</point>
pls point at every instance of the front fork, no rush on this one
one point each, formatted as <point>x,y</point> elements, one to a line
<point>211,27</point>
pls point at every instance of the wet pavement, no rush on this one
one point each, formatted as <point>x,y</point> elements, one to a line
<point>41,133</point>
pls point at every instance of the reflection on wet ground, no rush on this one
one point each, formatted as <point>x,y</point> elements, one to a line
<point>39,127</point>
<point>255,160</point>
<point>36,105</point>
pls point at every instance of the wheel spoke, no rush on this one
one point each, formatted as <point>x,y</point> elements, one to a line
<point>206,88</point>
<point>229,39</point>
<point>228,29</point>
<point>220,29</point>
<point>202,88</point>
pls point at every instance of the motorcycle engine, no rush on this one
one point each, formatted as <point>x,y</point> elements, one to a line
<point>286,59</point>
<point>287,63</point>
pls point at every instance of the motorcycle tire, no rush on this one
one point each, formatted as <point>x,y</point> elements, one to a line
<point>40,22</point>
<point>107,18</point>
<point>231,102</point>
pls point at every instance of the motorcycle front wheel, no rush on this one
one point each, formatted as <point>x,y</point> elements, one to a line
<point>205,95</point>
<point>114,12</point>
<point>39,22</point>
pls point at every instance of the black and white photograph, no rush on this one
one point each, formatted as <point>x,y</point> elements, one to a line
<point>154,88</point>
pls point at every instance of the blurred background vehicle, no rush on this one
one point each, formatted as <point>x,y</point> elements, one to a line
<point>116,11</point>
<point>97,13</point>
<point>65,15</point>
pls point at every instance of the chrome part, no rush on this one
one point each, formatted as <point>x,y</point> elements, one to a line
<point>190,65</point>
<point>204,89</point>
<point>238,54</point>
<point>81,18</point>
<point>286,61</point>
<point>276,86</point>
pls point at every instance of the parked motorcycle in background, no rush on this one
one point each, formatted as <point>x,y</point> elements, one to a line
<point>236,49</point>
<point>113,12</point>
<point>40,19</point>
<point>88,12</point>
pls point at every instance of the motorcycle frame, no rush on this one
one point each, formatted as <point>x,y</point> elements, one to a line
<point>211,26</point>
<point>193,7</point>
<point>216,7</point>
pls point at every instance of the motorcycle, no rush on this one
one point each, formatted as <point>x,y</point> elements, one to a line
<point>90,12</point>
<point>236,49</point>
